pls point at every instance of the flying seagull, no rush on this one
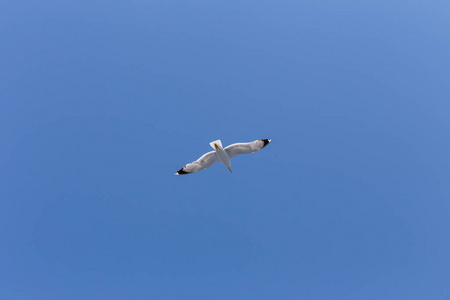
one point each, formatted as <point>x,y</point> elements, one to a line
<point>222,155</point>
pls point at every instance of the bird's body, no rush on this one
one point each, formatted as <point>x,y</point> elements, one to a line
<point>222,155</point>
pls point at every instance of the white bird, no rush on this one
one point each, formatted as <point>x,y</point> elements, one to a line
<point>222,155</point>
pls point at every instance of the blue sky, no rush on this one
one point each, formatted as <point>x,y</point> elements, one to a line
<point>102,101</point>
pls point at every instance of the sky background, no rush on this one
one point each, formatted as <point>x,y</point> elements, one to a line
<point>102,101</point>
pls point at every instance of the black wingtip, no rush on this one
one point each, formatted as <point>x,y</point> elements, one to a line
<point>181,172</point>
<point>266,142</point>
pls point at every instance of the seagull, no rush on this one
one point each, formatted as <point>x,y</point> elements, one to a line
<point>222,155</point>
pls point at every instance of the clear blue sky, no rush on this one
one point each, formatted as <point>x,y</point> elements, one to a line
<point>102,101</point>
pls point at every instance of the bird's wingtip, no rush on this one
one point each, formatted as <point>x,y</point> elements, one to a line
<point>266,142</point>
<point>181,172</point>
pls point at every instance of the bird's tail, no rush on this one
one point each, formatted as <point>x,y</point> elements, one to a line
<point>216,145</point>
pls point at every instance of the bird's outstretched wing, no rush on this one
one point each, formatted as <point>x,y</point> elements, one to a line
<point>246,148</point>
<point>202,163</point>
